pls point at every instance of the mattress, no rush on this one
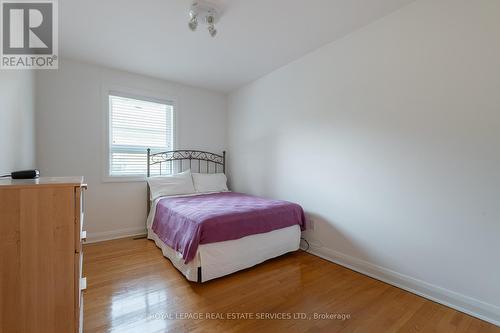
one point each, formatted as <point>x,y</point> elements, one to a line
<point>222,258</point>
<point>186,222</point>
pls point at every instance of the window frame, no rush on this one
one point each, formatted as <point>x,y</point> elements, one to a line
<point>156,97</point>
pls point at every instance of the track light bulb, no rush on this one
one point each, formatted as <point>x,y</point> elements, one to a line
<point>212,31</point>
<point>193,23</point>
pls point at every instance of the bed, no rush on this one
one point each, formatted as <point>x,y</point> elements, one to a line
<point>213,232</point>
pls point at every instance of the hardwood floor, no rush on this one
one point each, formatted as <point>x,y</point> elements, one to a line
<point>133,288</point>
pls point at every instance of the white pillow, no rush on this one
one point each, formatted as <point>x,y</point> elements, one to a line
<point>214,182</point>
<point>180,183</point>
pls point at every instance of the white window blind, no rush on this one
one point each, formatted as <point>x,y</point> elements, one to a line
<point>134,126</point>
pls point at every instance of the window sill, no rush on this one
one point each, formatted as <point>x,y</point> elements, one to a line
<point>123,179</point>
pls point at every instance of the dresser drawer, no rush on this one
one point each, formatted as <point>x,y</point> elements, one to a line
<point>80,237</point>
<point>80,286</point>
<point>80,234</point>
<point>80,315</point>
<point>78,266</point>
<point>78,276</point>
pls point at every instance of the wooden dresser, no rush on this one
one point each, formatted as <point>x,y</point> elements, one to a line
<point>41,255</point>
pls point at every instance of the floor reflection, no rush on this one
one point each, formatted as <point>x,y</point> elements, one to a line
<point>139,309</point>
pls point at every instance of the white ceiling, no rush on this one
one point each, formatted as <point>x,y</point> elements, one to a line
<point>255,37</point>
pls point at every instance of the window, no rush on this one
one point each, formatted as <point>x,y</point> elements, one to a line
<point>136,124</point>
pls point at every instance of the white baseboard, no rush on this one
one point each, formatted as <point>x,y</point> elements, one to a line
<point>476,308</point>
<point>94,237</point>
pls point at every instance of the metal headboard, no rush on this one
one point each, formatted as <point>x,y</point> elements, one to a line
<point>179,160</point>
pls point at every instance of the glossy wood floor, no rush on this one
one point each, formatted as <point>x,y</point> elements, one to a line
<point>133,288</point>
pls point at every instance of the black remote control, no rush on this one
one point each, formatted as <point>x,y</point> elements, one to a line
<point>25,174</point>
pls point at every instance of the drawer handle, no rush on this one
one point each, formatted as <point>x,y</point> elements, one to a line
<point>83,283</point>
<point>83,236</point>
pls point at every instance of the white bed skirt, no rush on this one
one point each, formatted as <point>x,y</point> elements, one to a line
<point>223,258</point>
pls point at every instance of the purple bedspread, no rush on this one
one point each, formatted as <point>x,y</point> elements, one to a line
<point>185,222</point>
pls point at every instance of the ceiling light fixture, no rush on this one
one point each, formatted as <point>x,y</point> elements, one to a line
<point>208,14</point>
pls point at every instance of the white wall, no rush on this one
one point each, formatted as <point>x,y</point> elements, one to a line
<point>17,129</point>
<point>70,137</point>
<point>389,138</point>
